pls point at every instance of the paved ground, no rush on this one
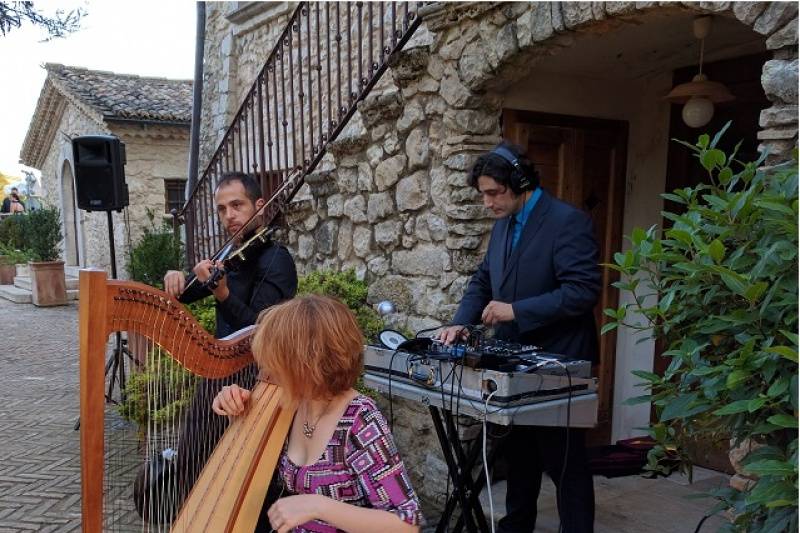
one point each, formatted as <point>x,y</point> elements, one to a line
<point>39,461</point>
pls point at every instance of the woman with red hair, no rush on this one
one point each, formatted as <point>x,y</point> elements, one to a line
<point>339,463</point>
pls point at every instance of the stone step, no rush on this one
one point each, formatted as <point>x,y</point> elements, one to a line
<point>15,294</point>
<point>24,282</point>
<point>22,296</point>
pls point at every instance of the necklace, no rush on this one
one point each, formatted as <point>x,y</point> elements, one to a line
<point>308,429</point>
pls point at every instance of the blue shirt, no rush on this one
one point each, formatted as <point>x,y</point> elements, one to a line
<point>521,217</point>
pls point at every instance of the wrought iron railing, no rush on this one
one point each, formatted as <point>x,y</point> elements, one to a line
<point>327,59</point>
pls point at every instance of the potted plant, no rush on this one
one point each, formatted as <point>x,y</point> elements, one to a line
<point>43,234</point>
<point>9,257</point>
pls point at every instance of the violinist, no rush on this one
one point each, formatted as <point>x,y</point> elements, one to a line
<point>267,277</point>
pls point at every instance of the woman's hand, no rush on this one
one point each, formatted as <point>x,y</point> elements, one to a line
<point>231,400</point>
<point>292,511</point>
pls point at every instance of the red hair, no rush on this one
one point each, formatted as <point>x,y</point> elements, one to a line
<point>311,346</point>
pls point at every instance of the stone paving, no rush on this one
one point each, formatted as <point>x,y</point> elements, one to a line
<point>39,455</point>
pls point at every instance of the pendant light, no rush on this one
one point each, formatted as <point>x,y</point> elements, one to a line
<point>699,95</point>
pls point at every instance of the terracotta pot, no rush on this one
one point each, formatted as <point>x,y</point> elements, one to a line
<point>7,272</point>
<point>48,283</point>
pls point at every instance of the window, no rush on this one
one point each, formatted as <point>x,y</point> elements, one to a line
<point>174,194</point>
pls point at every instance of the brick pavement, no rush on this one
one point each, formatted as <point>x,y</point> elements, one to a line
<point>39,450</point>
<point>39,461</point>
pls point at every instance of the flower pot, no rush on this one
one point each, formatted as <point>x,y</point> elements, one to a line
<point>48,283</point>
<point>7,271</point>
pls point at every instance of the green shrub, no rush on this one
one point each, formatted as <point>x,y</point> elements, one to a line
<point>158,393</point>
<point>42,233</point>
<point>13,256</point>
<point>12,232</point>
<point>348,288</point>
<point>156,252</point>
<point>205,312</point>
<point>726,278</point>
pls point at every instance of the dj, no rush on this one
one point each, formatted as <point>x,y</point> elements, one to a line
<point>536,285</point>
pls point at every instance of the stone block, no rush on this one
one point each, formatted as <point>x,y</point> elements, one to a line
<point>463,243</point>
<point>786,36</point>
<point>305,246</point>
<point>775,16</point>
<point>362,240</point>
<point>388,171</point>
<point>454,92</point>
<point>557,16</point>
<point>465,195</point>
<point>409,64</point>
<point>394,288</point>
<point>748,12</point>
<point>779,79</point>
<point>345,240</point>
<point>466,261</point>
<point>387,234</point>
<point>424,260</point>
<point>365,181</point>
<point>460,161</point>
<point>380,107</point>
<point>412,191</point>
<point>475,65</point>
<point>347,179</point>
<point>375,154</point>
<point>470,228</point>
<point>379,206</point>
<point>335,204</point>
<point>412,115</point>
<point>781,115</point>
<point>353,138</point>
<point>467,212</point>
<point>620,8</point>
<point>576,13</point>
<point>355,209</point>
<point>391,143</point>
<point>418,148</point>
<point>471,122</point>
<point>430,227</point>
<point>378,266</point>
<point>778,134</point>
<point>325,237</point>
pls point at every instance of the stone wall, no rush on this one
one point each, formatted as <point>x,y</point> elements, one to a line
<point>390,198</point>
<point>154,153</point>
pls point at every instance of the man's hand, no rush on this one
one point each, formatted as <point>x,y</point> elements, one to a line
<point>203,272</point>
<point>174,282</point>
<point>451,334</point>
<point>292,511</point>
<point>497,312</point>
<point>231,400</point>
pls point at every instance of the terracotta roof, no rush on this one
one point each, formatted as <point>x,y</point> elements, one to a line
<point>125,96</point>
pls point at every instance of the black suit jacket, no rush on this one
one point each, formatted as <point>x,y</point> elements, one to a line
<point>552,279</point>
<point>258,284</point>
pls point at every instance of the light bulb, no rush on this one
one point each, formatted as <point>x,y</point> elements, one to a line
<point>697,111</point>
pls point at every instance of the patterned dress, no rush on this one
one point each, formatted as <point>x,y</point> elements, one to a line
<point>360,466</point>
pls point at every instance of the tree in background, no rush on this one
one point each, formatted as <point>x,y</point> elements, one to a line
<point>59,24</point>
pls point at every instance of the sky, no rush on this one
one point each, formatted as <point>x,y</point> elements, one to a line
<point>139,37</point>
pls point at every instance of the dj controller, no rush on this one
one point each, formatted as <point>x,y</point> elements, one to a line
<point>512,383</point>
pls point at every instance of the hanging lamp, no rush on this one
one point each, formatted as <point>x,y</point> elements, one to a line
<point>699,95</point>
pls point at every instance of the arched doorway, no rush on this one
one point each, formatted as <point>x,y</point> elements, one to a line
<point>70,216</point>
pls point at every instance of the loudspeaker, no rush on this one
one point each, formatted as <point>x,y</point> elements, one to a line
<point>99,173</point>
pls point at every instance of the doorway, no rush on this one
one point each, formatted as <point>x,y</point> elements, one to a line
<point>582,161</point>
<point>70,214</point>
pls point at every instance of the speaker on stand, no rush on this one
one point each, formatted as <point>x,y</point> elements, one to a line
<point>99,162</point>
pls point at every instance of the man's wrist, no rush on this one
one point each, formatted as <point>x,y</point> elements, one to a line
<point>221,293</point>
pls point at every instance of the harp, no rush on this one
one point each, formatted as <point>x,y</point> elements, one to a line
<point>231,488</point>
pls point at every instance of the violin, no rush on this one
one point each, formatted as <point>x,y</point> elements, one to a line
<point>232,260</point>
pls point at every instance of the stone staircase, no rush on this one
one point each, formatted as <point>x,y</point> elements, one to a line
<point>20,291</point>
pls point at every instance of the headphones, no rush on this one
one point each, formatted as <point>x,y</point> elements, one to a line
<point>518,181</point>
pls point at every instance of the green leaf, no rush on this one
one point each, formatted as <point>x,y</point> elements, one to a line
<point>678,407</point>
<point>716,250</point>
<point>719,134</point>
<point>754,292</point>
<point>783,420</point>
<point>712,158</point>
<point>784,351</point>
<point>739,406</point>
<point>725,175</point>
<point>638,236</point>
<point>736,377</point>
<point>778,388</point>
<point>702,141</point>
<point>647,376</point>
<point>647,398</point>
<point>609,327</point>
<point>755,404</point>
<point>770,467</point>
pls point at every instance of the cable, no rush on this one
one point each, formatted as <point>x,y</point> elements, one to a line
<point>486,462</point>
<point>391,398</point>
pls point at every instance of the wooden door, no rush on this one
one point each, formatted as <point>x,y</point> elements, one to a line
<point>582,161</point>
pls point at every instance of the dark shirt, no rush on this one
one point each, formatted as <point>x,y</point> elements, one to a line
<point>7,205</point>
<point>269,280</point>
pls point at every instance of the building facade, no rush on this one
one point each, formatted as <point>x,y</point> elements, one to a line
<point>151,116</point>
<point>580,85</point>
